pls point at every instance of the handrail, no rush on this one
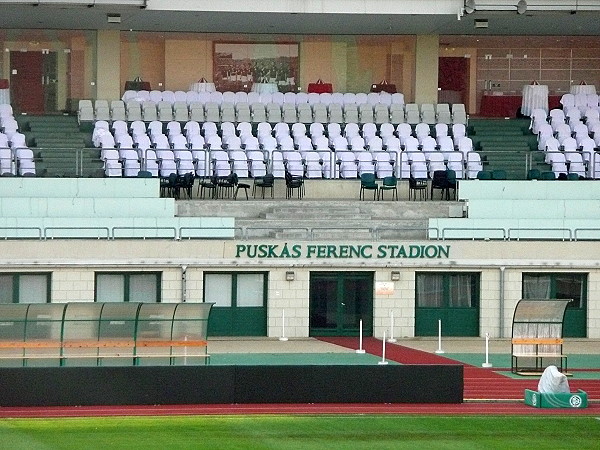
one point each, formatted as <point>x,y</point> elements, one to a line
<point>576,230</point>
<point>181,230</point>
<point>353,229</point>
<point>46,229</point>
<point>568,230</point>
<point>274,229</point>
<point>38,229</point>
<point>377,231</point>
<point>473,229</point>
<point>114,234</point>
<point>179,233</point>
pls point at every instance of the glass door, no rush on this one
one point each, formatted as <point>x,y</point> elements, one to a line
<point>339,301</point>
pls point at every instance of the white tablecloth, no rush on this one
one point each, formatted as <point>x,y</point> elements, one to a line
<point>202,87</point>
<point>535,96</point>
<point>265,88</point>
<point>4,96</point>
<point>583,89</point>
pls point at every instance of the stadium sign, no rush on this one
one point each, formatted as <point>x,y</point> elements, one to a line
<point>341,251</point>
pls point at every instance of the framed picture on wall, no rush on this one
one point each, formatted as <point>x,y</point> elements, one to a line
<point>242,67</point>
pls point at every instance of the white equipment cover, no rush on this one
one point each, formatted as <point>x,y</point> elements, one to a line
<point>553,382</point>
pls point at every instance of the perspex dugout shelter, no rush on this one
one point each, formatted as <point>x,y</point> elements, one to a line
<point>84,334</point>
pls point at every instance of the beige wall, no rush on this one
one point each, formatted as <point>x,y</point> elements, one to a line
<point>73,264</point>
<point>426,69</point>
<point>187,61</point>
<point>350,63</point>
<point>108,65</point>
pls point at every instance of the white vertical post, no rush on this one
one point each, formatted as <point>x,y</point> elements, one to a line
<point>392,339</point>
<point>283,338</point>
<point>185,338</point>
<point>383,361</point>
<point>360,338</point>
<point>439,350</point>
<point>487,362</point>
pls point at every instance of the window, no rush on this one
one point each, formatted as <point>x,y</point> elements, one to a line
<point>556,285</point>
<point>25,288</point>
<point>128,287</point>
<point>235,289</point>
<point>454,290</point>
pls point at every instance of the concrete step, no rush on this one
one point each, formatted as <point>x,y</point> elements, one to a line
<point>328,229</point>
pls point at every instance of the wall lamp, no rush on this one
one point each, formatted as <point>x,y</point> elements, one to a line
<point>290,275</point>
<point>395,276</point>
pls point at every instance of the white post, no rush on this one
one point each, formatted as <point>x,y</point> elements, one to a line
<point>487,362</point>
<point>185,351</point>
<point>383,361</point>
<point>283,338</point>
<point>360,337</point>
<point>392,339</point>
<point>439,350</point>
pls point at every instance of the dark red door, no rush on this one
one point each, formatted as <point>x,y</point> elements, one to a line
<point>453,80</point>
<point>26,82</point>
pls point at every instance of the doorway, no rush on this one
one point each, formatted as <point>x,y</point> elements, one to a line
<point>339,301</point>
<point>34,82</point>
<point>453,80</point>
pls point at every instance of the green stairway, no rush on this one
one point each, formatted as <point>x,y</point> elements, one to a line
<point>506,144</point>
<point>60,148</point>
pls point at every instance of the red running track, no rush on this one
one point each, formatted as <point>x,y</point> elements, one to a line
<point>513,409</point>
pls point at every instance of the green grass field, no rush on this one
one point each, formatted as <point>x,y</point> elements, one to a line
<point>301,432</point>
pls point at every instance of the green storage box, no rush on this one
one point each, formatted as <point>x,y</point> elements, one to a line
<point>562,400</point>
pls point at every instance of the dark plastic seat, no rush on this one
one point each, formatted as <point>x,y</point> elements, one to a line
<point>368,182</point>
<point>389,184</point>
<point>498,174</point>
<point>265,182</point>
<point>484,175</point>
<point>294,183</point>
<point>417,185</point>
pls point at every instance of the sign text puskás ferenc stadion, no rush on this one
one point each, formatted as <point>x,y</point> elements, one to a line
<point>341,251</point>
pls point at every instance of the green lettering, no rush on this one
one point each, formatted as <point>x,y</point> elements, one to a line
<point>343,251</point>
<point>445,251</point>
<point>431,251</point>
<point>310,249</point>
<point>366,251</point>
<point>296,251</point>
<point>272,249</point>
<point>414,251</point>
<point>262,251</point>
<point>285,252</point>
<point>401,252</point>
<point>354,251</point>
<point>381,251</point>
<point>321,249</point>
<point>332,251</point>
<point>239,249</point>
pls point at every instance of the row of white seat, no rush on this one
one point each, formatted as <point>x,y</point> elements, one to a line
<point>582,101</point>
<point>272,112</point>
<point>281,136</point>
<point>343,98</point>
<point>17,161</point>
<point>309,164</point>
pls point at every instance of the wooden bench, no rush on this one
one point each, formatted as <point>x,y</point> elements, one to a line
<point>120,345</point>
<point>541,348</point>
